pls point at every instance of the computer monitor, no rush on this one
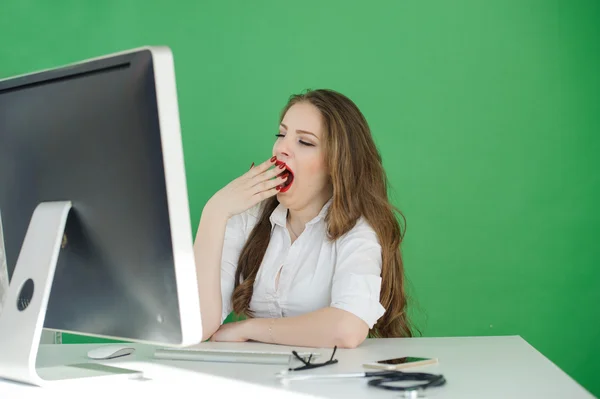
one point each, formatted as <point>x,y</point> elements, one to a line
<point>94,207</point>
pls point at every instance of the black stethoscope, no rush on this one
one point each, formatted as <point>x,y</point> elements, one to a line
<point>381,379</point>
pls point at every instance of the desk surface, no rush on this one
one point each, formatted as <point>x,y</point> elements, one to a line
<point>474,367</point>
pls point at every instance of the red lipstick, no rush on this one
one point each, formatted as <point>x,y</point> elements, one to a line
<point>286,173</point>
<point>288,183</point>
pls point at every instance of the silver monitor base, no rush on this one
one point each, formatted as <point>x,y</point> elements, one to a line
<point>25,304</point>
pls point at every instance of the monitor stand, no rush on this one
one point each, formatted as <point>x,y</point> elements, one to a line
<point>22,315</point>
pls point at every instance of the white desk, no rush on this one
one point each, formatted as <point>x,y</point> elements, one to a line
<point>480,367</point>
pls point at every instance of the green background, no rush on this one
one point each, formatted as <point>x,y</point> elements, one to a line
<point>487,114</point>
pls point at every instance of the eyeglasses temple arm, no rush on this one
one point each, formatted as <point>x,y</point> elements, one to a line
<point>300,358</point>
<point>333,354</point>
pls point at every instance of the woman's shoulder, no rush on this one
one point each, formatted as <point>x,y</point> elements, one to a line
<point>250,214</point>
<point>362,231</point>
<point>359,250</point>
<point>246,220</point>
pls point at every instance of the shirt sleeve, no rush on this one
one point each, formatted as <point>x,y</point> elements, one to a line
<point>234,240</point>
<point>356,282</point>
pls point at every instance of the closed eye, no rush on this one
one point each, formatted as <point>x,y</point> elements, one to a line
<point>300,141</point>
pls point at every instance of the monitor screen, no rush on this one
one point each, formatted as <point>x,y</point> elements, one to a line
<point>91,134</point>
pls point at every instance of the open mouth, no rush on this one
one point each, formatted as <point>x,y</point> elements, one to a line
<point>288,183</point>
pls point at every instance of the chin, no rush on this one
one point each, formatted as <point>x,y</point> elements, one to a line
<point>285,196</point>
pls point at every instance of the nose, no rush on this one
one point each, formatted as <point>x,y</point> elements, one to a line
<point>282,150</point>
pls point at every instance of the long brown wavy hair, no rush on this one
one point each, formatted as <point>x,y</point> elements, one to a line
<point>360,188</point>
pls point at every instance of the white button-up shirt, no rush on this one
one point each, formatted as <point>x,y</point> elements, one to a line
<point>315,273</point>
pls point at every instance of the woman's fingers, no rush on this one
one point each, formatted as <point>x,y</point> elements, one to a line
<point>264,172</point>
<point>261,168</point>
<point>269,184</point>
<point>263,195</point>
<point>268,175</point>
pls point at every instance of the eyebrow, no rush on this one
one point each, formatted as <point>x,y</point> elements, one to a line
<point>301,131</point>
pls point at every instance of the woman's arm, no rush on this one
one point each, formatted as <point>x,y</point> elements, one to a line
<point>323,328</point>
<point>254,186</point>
<point>327,327</point>
<point>208,248</point>
<point>355,304</point>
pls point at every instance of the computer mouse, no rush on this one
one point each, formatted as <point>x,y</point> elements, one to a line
<point>110,352</point>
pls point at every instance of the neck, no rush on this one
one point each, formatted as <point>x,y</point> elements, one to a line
<point>300,216</point>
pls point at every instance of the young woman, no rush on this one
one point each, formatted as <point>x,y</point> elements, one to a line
<point>305,244</point>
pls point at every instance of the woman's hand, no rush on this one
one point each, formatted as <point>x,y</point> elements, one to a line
<point>232,332</point>
<point>254,186</point>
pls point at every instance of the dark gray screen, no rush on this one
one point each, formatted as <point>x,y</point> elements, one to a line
<point>90,134</point>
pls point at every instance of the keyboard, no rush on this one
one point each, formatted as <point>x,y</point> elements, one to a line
<point>283,357</point>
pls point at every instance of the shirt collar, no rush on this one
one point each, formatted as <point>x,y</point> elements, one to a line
<point>279,215</point>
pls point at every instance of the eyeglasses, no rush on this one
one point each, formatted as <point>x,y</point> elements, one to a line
<point>308,365</point>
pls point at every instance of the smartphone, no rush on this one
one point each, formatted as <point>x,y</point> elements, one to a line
<point>401,363</point>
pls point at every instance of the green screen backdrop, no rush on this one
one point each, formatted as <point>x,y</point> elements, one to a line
<point>487,115</point>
